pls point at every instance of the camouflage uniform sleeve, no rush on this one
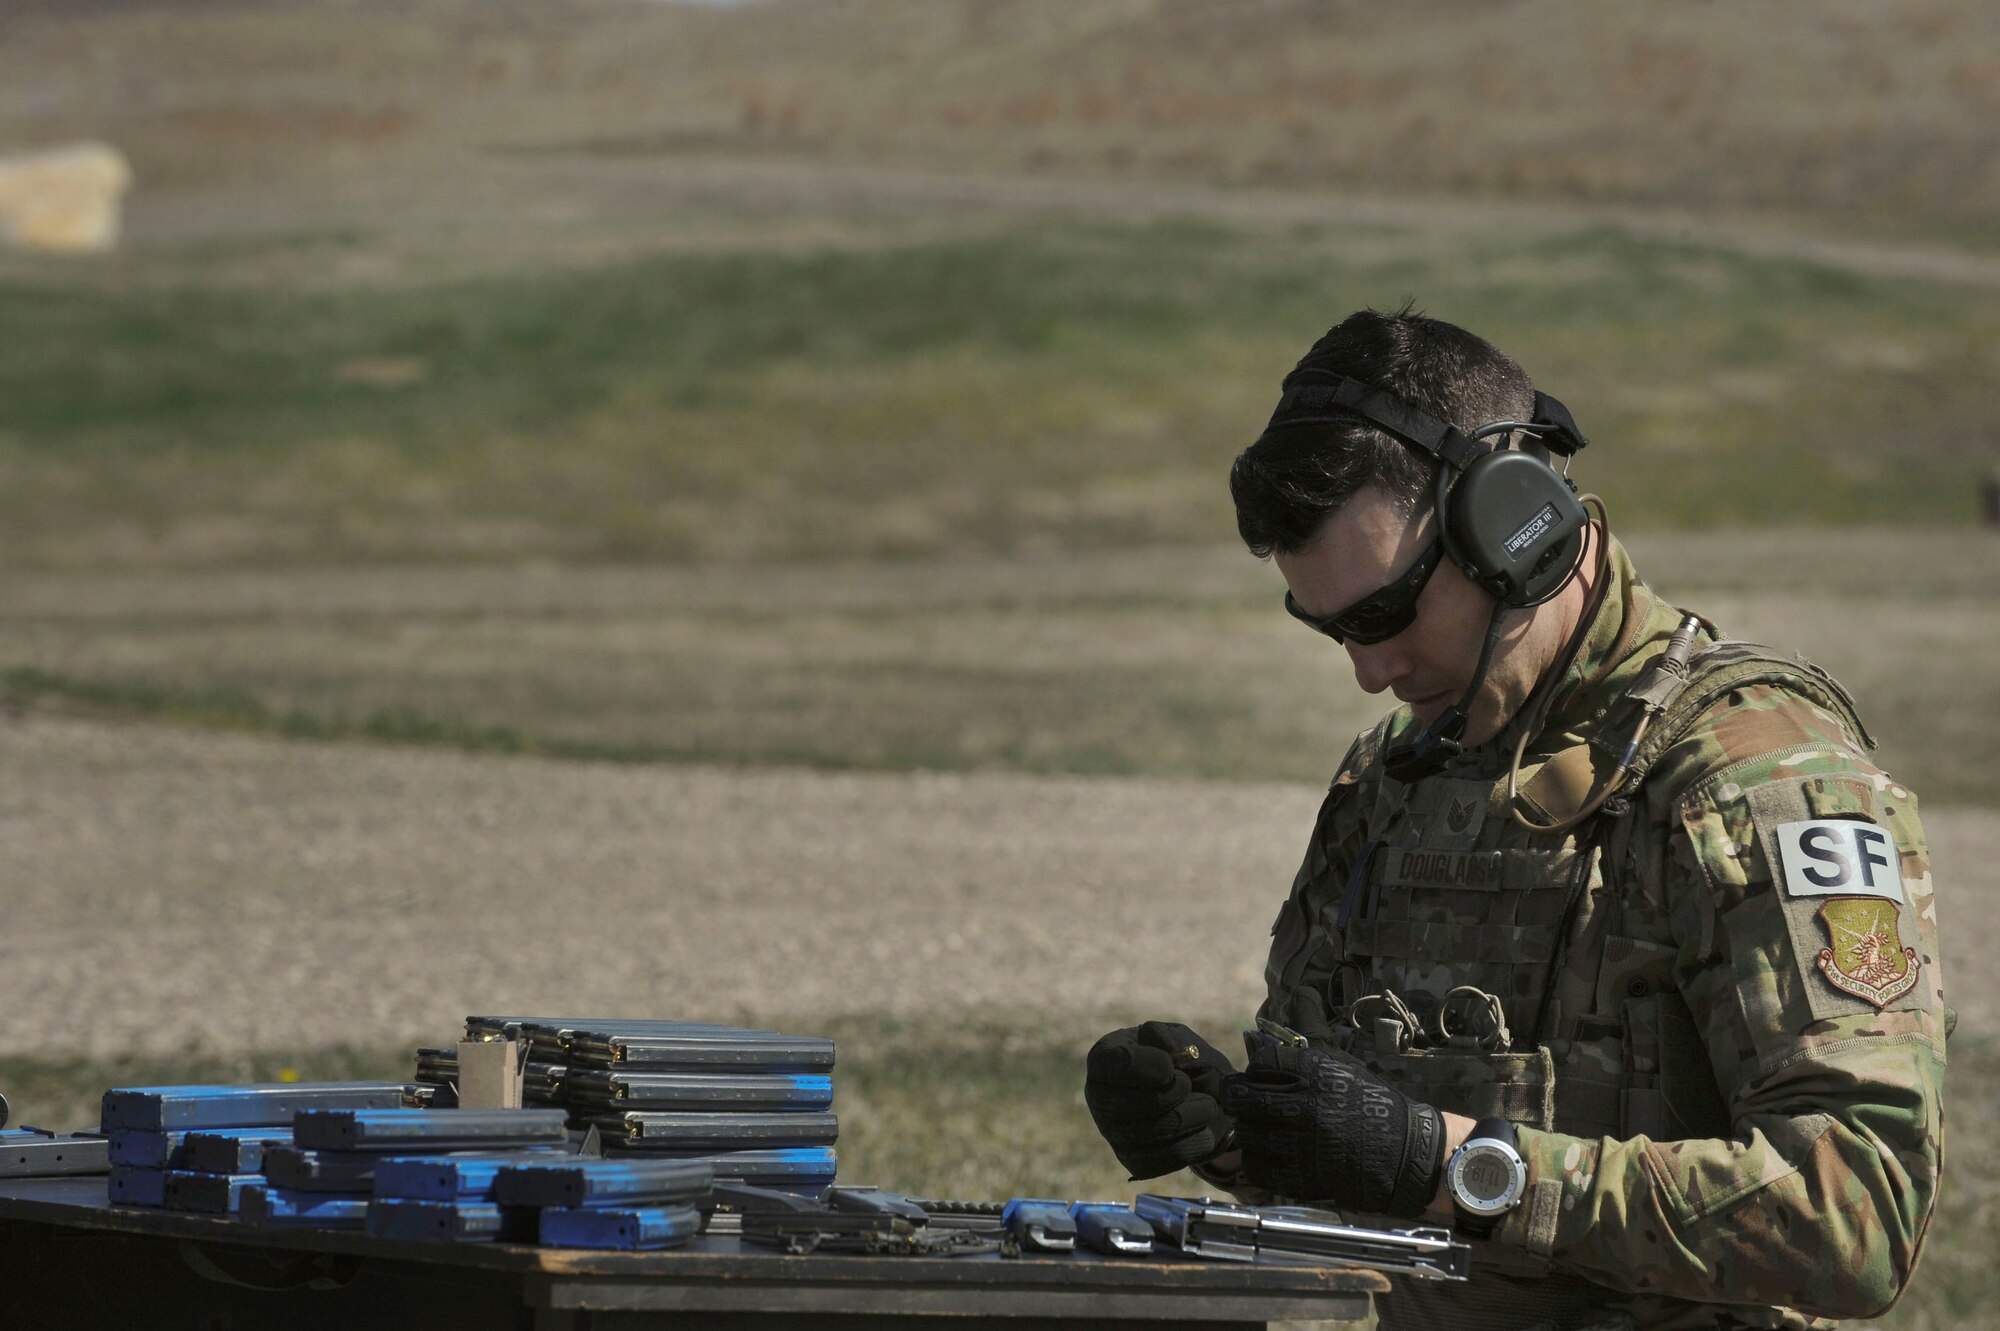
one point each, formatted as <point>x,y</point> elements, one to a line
<point>1822,1016</point>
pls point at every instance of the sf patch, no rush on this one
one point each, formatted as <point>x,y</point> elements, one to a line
<point>1827,857</point>
<point>1865,955</point>
<point>1855,866</point>
<point>1849,876</point>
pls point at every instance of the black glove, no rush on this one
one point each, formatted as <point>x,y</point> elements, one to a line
<point>1321,1127</point>
<point>1154,1091</point>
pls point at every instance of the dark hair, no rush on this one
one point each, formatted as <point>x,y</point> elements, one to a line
<point>1295,477</point>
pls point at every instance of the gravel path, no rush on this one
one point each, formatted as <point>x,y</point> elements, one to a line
<point>167,888</point>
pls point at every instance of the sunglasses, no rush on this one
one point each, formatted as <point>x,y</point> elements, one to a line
<point>1383,613</point>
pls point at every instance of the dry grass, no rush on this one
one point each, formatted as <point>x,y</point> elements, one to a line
<point>1167,662</point>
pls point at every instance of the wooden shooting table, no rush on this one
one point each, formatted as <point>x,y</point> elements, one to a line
<point>68,1258</point>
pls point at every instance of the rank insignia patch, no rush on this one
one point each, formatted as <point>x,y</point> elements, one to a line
<point>1458,815</point>
<point>1453,814</point>
<point>1867,957</point>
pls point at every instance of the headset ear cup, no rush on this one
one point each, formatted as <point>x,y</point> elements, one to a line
<point>1552,569</point>
<point>1515,522</point>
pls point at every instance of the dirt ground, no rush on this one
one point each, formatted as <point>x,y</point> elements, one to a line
<point>171,888</point>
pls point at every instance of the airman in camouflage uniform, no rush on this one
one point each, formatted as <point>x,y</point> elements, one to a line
<point>1719,1032</point>
<point>1728,1094</point>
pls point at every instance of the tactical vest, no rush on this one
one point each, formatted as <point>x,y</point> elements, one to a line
<point>1485,968</point>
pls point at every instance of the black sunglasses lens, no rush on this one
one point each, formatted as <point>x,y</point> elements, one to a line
<point>1383,615</point>
<point>1296,611</point>
<point>1367,624</point>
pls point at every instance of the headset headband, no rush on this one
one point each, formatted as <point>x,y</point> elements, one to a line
<point>1313,396</point>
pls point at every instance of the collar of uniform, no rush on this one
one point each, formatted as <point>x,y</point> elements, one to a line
<point>1631,628</point>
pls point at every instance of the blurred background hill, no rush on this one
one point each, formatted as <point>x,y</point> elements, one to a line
<point>1869,113</point>
<point>847,384</point>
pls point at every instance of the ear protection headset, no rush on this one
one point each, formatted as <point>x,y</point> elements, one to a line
<point>1507,519</point>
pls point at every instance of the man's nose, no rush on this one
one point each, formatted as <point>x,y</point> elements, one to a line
<point>1377,665</point>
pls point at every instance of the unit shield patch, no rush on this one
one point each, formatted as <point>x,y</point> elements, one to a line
<point>1866,957</point>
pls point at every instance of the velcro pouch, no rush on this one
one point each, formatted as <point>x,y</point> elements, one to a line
<point>1670,1092</point>
<point>1517,1087</point>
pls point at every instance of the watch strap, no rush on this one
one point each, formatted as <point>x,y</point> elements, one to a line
<point>1423,1163</point>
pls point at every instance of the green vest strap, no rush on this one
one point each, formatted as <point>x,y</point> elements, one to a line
<point>1719,670</point>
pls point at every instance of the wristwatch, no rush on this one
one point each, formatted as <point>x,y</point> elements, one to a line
<point>1486,1177</point>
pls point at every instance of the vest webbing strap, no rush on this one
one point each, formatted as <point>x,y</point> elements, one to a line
<point>1518,1087</point>
<point>1464,944</point>
<point>1720,669</point>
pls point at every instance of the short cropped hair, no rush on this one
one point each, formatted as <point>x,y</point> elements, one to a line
<point>1288,483</point>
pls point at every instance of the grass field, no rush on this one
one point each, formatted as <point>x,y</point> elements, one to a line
<point>1067,386</point>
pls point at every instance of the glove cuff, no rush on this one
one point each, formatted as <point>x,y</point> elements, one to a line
<point>1423,1164</point>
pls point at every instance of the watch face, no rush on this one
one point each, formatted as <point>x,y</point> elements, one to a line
<point>1487,1177</point>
